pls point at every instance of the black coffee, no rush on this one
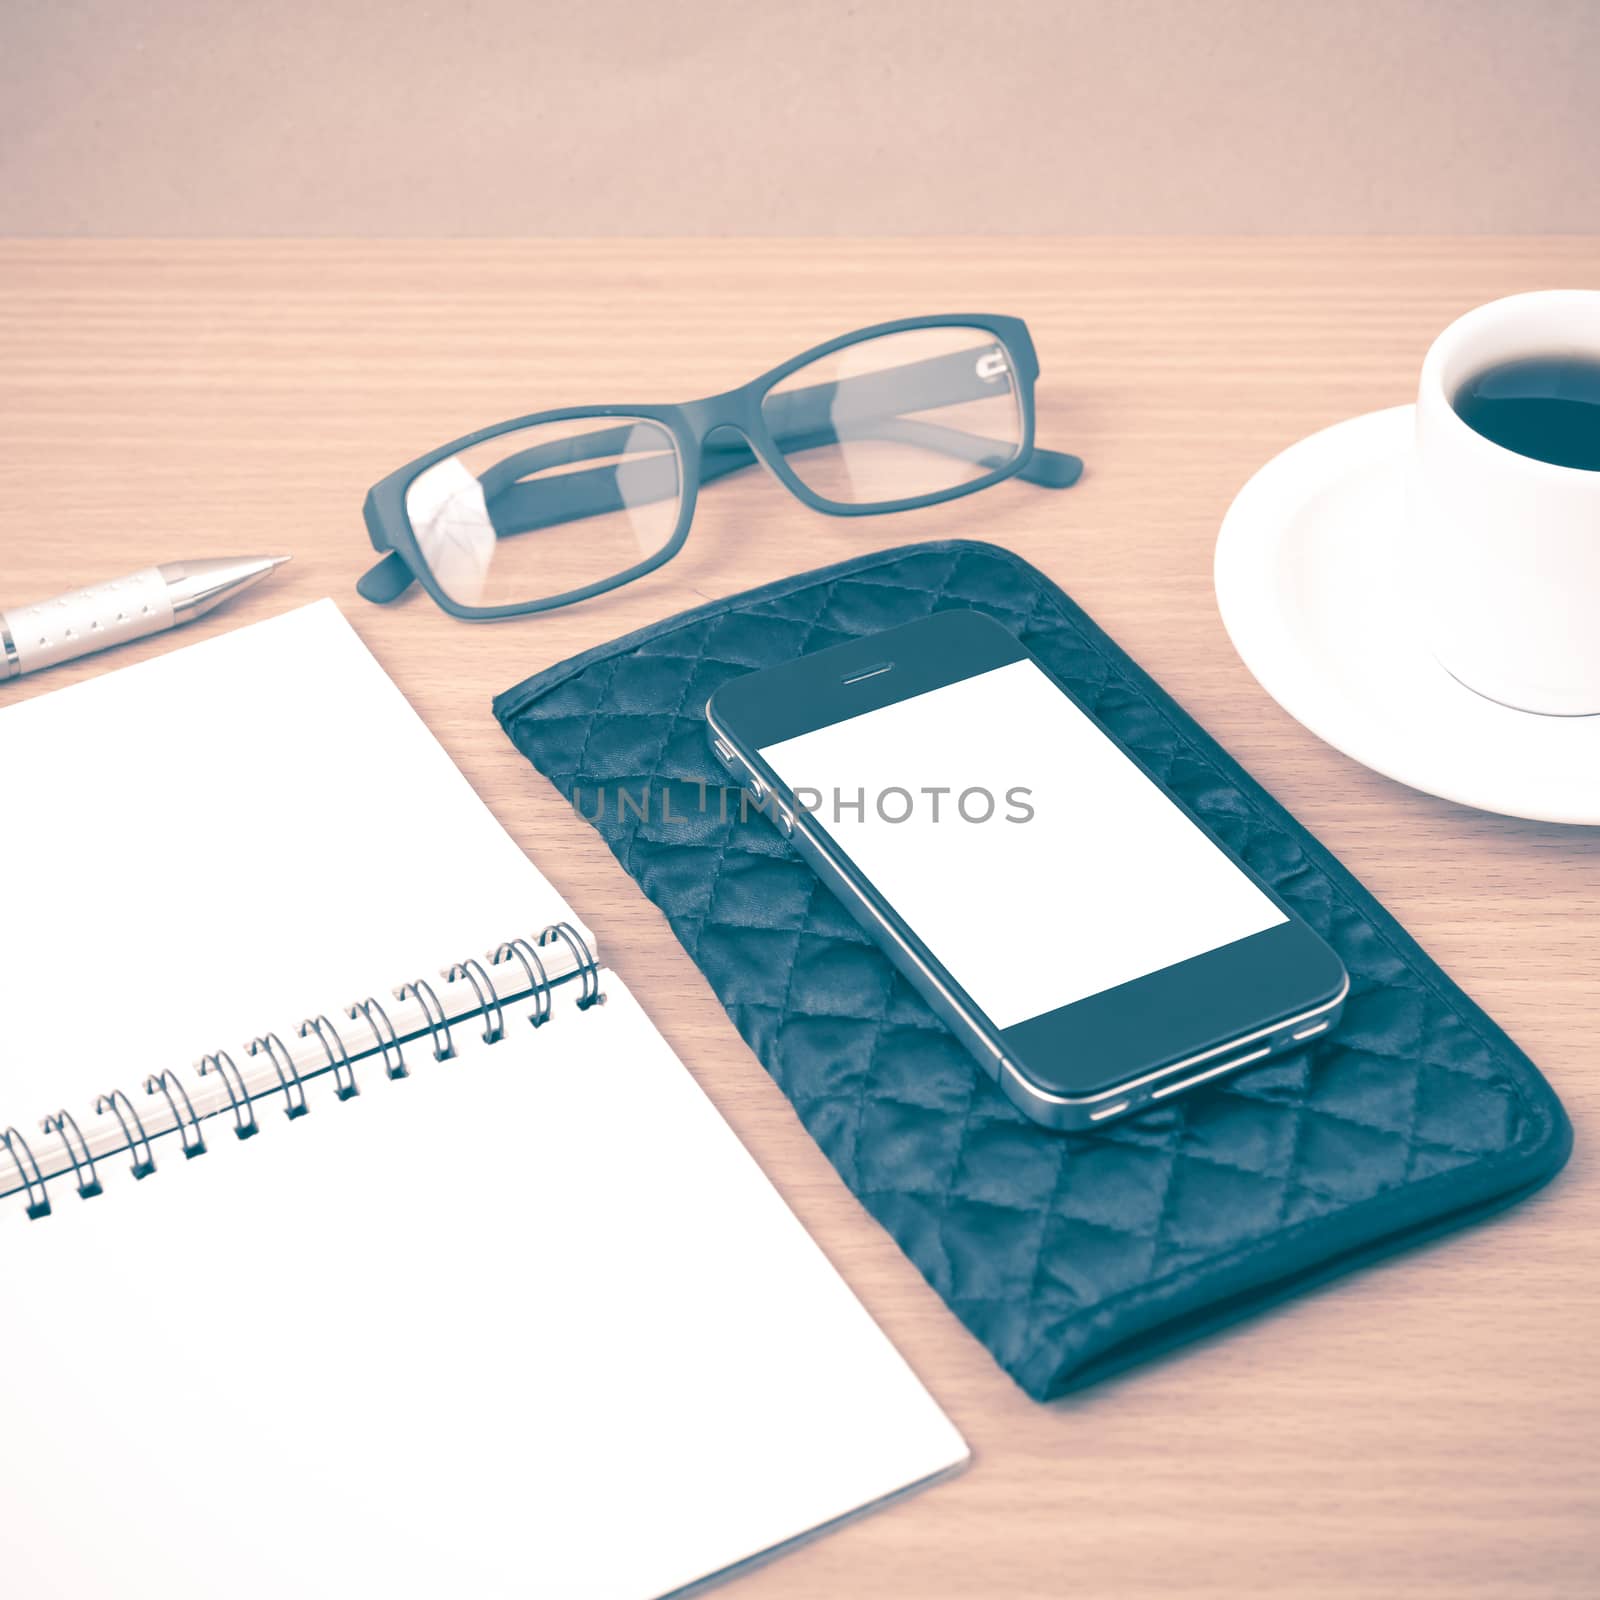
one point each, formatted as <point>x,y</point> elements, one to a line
<point>1547,407</point>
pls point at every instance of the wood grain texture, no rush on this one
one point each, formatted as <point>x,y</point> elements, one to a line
<point>1429,1428</point>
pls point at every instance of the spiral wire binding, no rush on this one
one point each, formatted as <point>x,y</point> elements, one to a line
<point>387,1044</point>
<point>588,967</point>
<point>494,1018</point>
<point>277,1052</point>
<point>167,1084</point>
<point>28,1168</point>
<point>388,1040</point>
<point>220,1062</point>
<point>344,1075</point>
<point>118,1102</point>
<point>65,1127</point>
<point>438,1024</point>
<point>531,964</point>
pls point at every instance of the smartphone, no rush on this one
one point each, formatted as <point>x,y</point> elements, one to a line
<point>1091,942</point>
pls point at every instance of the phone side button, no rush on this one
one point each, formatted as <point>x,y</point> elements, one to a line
<point>724,752</point>
<point>785,821</point>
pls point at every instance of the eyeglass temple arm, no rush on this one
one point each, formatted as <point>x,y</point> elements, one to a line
<point>549,502</point>
<point>867,404</point>
<point>811,417</point>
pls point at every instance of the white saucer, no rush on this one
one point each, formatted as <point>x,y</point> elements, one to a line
<point>1312,593</point>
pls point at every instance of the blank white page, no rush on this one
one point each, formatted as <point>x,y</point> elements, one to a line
<point>529,1322</point>
<point>222,840</point>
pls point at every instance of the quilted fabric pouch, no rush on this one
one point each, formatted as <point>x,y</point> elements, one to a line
<point>1068,1255</point>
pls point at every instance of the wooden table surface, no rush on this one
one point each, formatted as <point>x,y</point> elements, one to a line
<point>1427,1428</point>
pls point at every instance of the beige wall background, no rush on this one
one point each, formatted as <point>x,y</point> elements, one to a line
<point>524,117</point>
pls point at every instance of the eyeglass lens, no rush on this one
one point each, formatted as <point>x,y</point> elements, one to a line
<point>900,416</point>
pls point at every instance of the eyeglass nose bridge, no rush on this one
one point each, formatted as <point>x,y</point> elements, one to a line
<point>726,434</point>
<point>736,411</point>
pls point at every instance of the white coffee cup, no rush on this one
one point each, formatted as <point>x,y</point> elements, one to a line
<point>1506,549</point>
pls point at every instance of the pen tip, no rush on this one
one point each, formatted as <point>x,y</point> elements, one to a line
<point>278,561</point>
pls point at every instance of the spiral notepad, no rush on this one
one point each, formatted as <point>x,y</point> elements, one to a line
<point>372,1032</point>
<point>359,1231</point>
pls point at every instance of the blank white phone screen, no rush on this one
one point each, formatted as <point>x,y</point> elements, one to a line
<point>1034,859</point>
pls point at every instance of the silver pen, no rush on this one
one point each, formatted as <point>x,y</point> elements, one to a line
<point>75,624</point>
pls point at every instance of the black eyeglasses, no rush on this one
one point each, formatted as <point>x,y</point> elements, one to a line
<point>902,415</point>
